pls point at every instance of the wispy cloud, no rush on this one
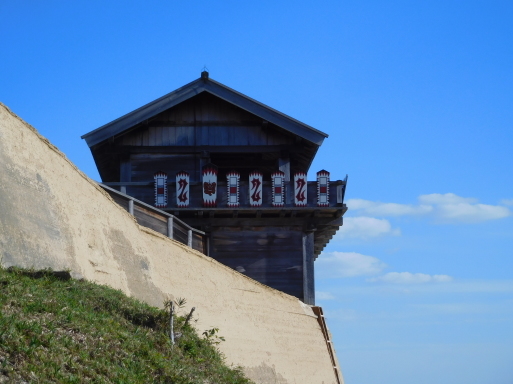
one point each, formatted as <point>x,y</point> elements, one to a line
<point>348,264</point>
<point>319,295</point>
<point>461,308</point>
<point>507,201</point>
<point>456,286</point>
<point>363,227</point>
<point>447,207</point>
<point>450,207</point>
<point>410,278</point>
<point>387,209</point>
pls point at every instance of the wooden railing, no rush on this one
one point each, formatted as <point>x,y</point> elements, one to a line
<point>329,343</point>
<point>145,191</point>
<point>160,221</point>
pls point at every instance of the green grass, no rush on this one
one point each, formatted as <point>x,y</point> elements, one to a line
<point>54,330</point>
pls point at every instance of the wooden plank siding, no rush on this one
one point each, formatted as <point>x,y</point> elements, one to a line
<point>205,124</point>
<point>212,124</point>
<point>205,120</point>
<point>149,219</point>
<point>270,255</point>
<point>204,135</point>
<point>144,166</point>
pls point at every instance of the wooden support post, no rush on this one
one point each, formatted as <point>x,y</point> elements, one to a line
<point>170,227</point>
<point>125,173</point>
<point>340,198</point>
<point>308,269</point>
<point>131,206</point>
<point>284,166</point>
<point>189,238</point>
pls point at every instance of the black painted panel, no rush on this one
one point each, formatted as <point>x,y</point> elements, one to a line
<point>272,256</point>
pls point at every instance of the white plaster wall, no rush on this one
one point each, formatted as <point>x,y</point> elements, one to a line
<point>52,215</point>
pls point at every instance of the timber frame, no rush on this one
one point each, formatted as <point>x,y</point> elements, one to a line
<point>207,125</point>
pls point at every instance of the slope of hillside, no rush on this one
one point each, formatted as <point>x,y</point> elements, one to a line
<point>54,216</point>
<point>68,331</point>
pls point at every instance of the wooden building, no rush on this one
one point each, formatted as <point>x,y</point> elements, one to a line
<point>234,168</point>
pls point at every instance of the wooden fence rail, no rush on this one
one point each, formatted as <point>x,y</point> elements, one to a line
<point>145,191</point>
<point>329,343</point>
<point>160,221</point>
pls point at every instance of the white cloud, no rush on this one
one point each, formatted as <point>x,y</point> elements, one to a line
<point>507,201</point>
<point>453,208</point>
<point>447,198</point>
<point>387,209</point>
<point>460,308</point>
<point>411,278</point>
<point>347,264</point>
<point>363,227</point>
<point>447,207</point>
<point>323,296</point>
<point>471,213</point>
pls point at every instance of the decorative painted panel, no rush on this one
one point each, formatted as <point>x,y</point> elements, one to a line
<point>209,185</point>
<point>182,189</point>
<point>323,188</point>
<point>232,183</point>
<point>255,188</point>
<point>160,189</point>
<point>300,189</point>
<point>278,180</point>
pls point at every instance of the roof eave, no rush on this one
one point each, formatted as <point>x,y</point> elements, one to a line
<point>189,90</point>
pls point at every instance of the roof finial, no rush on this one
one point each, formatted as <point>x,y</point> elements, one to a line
<point>204,73</point>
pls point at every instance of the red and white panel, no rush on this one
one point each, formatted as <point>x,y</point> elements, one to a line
<point>300,189</point>
<point>209,185</point>
<point>323,188</point>
<point>278,188</point>
<point>232,182</point>
<point>255,188</point>
<point>182,189</point>
<point>160,189</point>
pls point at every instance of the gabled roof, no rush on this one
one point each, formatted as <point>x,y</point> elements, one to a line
<point>204,84</point>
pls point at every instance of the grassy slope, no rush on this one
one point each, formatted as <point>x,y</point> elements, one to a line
<point>68,331</point>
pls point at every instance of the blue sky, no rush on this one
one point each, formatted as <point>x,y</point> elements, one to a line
<point>417,100</point>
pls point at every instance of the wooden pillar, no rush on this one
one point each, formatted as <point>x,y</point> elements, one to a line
<point>125,172</point>
<point>308,269</point>
<point>170,227</point>
<point>284,166</point>
<point>204,159</point>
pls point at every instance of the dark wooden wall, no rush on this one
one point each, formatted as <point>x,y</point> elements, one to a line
<point>270,255</point>
<point>205,120</point>
<point>202,129</point>
<point>144,166</point>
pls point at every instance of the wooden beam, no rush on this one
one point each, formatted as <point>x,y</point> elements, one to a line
<point>170,227</point>
<point>308,269</point>
<point>256,221</point>
<point>134,149</point>
<point>284,166</point>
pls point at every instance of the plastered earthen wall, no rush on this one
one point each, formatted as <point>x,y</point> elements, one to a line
<point>52,215</point>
